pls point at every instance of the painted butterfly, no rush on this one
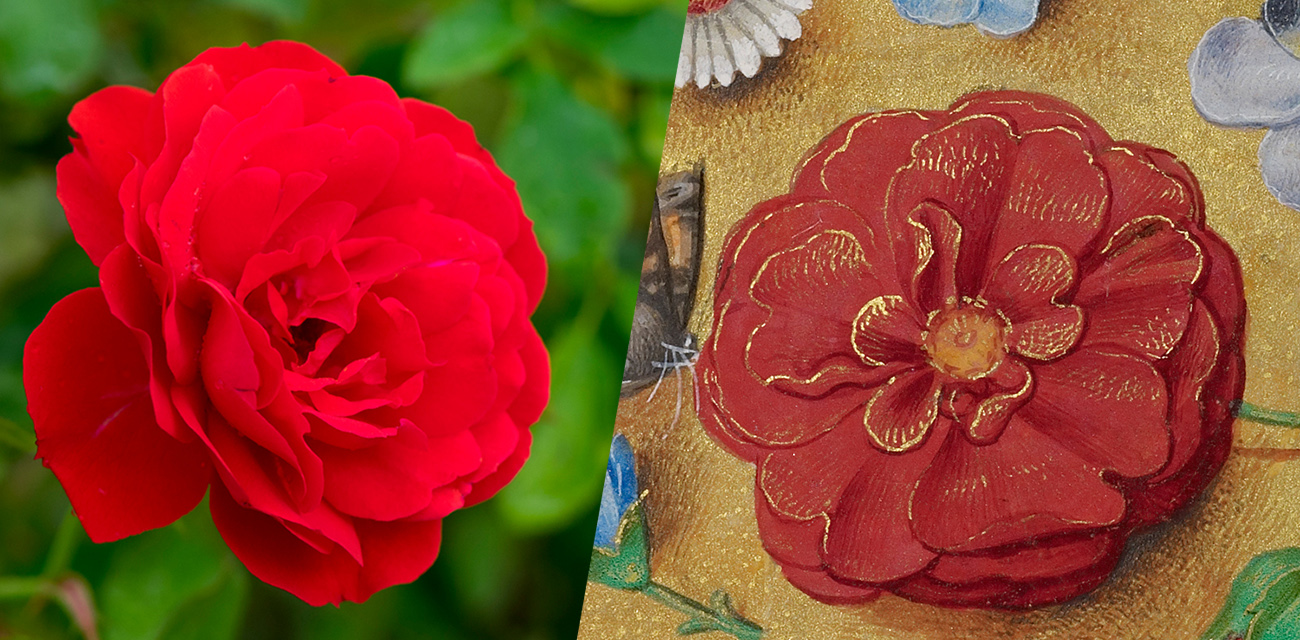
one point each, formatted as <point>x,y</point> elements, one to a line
<point>660,341</point>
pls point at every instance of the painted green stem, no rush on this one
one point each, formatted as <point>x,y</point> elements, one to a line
<point>1248,411</point>
<point>719,617</point>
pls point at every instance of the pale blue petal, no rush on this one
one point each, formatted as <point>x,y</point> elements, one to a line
<point>945,13</point>
<point>1241,76</point>
<point>1279,161</point>
<point>1006,18</point>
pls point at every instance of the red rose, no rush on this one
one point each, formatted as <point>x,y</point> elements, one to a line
<point>971,352</point>
<point>314,299</point>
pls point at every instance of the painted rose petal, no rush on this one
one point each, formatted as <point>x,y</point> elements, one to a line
<point>1107,408</point>
<point>821,586</point>
<point>1056,195</point>
<point>1031,564</point>
<point>88,390</point>
<point>1022,487</point>
<point>869,539</point>
<point>901,411</point>
<point>965,168</point>
<point>784,482</point>
<point>790,542</point>
<point>1140,296</point>
<point>857,161</point>
<point>991,415</point>
<point>927,258</point>
<point>1140,188</point>
<point>1191,366</point>
<point>1033,112</point>
<point>887,330</point>
<point>1027,287</point>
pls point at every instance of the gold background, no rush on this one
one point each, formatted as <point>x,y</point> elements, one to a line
<point>1124,63</point>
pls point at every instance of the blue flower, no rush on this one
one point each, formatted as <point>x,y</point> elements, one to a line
<point>1243,76</point>
<point>619,494</point>
<point>998,18</point>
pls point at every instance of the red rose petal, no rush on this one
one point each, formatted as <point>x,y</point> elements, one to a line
<point>429,170</point>
<point>926,257</point>
<point>87,386</point>
<point>528,405</point>
<point>1190,366</point>
<point>888,330</point>
<point>752,410</point>
<point>529,264</point>
<point>1033,563</point>
<point>1057,195</point>
<point>1140,188</point>
<point>869,538</point>
<point>1026,287</point>
<point>388,480</point>
<point>489,486</point>
<point>235,224</point>
<point>943,169</point>
<point>1108,408</point>
<point>790,542</point>
<point>856,163</point>
<point>1021,487</point>
<point>237,63</point>
<point>90,205</point>
<point>822,587</point>
<point>112,125</point>
<point>900,413</point>
<point>497,437</point>
<point>1034,112</point>
<point>1140,297</point>
<point>783,480</point>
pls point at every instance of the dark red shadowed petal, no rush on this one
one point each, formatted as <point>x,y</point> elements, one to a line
<point>825,589</point>
<point>87,386</point>
<point>1023,486</point>
<point>1032,563</point>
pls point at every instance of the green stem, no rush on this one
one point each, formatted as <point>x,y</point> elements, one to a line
<point>16,588</point>
<point>734,625</point>
<point>1248,411</point>
<point>65,543</point>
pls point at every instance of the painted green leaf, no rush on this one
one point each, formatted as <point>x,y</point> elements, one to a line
<point>564,475</point>
<point>566,157</point>
<point>1264,602</point>
<point>628,566</point>
<point>159,580</point>
<point>50,46</point>
<point>476,37</point>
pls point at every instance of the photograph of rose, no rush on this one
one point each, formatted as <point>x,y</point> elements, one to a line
<point>283,288</point>
<point>993,335</point>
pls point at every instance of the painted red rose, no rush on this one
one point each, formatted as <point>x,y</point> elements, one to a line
<point>971,351</point>
<point>314,299</point>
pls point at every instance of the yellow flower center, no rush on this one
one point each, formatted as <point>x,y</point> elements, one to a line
<point>966,342</point>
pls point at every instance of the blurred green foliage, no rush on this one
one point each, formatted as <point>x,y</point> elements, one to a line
<point>571,95</point>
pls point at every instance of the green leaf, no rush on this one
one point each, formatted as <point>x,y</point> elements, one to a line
<point>49,46</point>
<point>566,157</point>
<point>484,561</point>
<point>31,221</point>
<point>283,11</point>
<point>642,47</point>
<point>564,474</point>
<point>476,37</point>
<point>621,7</point>
<point>160,579</point>
<point>1264,602</point>
<point>652,123</point>
<point>628,567</point>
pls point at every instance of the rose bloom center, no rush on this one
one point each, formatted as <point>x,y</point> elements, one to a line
<point>966,342</point>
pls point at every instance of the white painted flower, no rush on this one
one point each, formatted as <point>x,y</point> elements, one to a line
<point>724,37</point>
<point>1242,75</point>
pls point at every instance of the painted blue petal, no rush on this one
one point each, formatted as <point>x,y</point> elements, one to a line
<point>945,13</point>
<point>1279,161</point>
<point>619,493</point>
<point>1006,18</point>
<point>1241,76</point>
<point>622,469</point>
